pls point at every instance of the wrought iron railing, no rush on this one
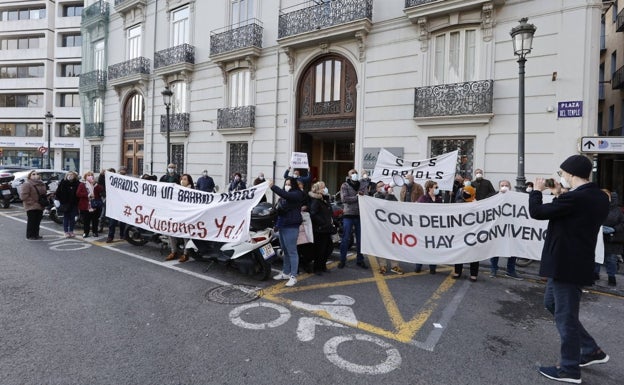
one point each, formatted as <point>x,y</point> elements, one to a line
<point>416,3</point>
<point>99,9</point>
<point>243,35</point>
<point>617,79</point>
<point>620,21</point>
<point>236,117</point>
<point>139,65</point>
<point>93,80</point>
<point>303,18</point>
<point>177,123</point>
<point>184,53</point>
<point>94,130</point>
<point>467,98</point>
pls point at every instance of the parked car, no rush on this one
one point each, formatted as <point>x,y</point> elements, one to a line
<point>6,191</point>
<point>50,177</point>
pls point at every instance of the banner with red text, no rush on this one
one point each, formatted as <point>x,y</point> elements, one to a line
<point>168,208</point>
<point>442,233</point>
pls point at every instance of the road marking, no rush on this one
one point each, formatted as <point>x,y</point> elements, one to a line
<point>235,316</point>
<point>393,357</point>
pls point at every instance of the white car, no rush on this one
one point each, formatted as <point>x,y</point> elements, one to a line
<point>50,177</point>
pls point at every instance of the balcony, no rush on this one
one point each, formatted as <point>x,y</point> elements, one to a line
<point>95,13</point>
<point>620,21</point>
<point>179,124</point>
<point>131,10</point>
<point>236,120</point>
<point>68,53</point>
<point>472,99</point>
<point>617,79</point>
<point>132,71</point>
<point>94,131</point>
<point>237,41</point>
<point>92,81</point>
<point>178,59</point>
<point>415,9</point>
<point>304,25</point>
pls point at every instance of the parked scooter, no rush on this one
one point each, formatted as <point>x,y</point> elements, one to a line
<point>140,237</point>
<point>5,190</point>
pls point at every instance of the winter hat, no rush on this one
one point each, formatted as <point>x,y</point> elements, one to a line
<point>577,165</point>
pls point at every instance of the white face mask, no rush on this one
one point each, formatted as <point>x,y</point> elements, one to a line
<point>479,176</point>
<point>564,182</point>
<point>326,191</point>
<point>529,189</point>
<point>467,183</point>
<point>436,191</point>
<point>504,189</point>
<point>261,177</point>
<point>364,176</point>
<point>170,170</point>
<point>354,177</point>
<point>287,188</point>
<point>205,174</point>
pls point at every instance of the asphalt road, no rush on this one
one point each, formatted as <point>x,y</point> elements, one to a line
<point>87,312</point>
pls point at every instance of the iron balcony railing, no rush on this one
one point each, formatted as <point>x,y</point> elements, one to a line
<point>620,21</point>
<point>93,80</point>
<point>180,122</point>
<point>243,35</point>
<point>304,18</point>
<point>184,53</point>
<point>97,10</point>
<point>139,65</point>
<point>236,117</point>
<point>416,3</point>
<point>617,79</point>
<point>467,98</point>
<point>94,130</point>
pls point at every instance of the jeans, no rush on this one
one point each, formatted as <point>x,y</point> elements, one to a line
<point>563,301</point>
<point>610,262</point>
<point>69,220</point>
<point>347,225</point>
<point>112,224</point>
<point>511,265</point>
<point>288,242</point>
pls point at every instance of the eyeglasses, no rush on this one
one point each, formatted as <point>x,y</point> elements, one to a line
<point>559,173</point>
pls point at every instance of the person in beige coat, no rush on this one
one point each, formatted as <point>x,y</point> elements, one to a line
<point>29,193</point>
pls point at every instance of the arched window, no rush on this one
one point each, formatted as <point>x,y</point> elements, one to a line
<point>133,112</point>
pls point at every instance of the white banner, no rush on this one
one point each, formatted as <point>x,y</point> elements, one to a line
<point>168,208</point>
<point>440,169</point>
<point>443,233</point>
<point>299,160</point>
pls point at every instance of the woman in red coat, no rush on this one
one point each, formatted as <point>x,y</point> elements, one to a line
<point>89,203</point>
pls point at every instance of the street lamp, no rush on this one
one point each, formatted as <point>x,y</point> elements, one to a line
<point>522,38</point>
<point>167,94</point>
<point>48,119</point>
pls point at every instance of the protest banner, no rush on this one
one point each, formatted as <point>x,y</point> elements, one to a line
<point>440,169</point>
<point>171,209</point>
<point>299,160</point>
<point>442,233</point>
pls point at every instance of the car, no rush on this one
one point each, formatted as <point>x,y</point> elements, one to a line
<point>6,177</point>
<point>49,177</point>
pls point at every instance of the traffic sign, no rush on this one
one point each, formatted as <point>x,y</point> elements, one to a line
<point>602,144</point>
<point>42,149</point>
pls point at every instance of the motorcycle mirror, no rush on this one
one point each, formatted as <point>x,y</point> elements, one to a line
<point>398,180</point>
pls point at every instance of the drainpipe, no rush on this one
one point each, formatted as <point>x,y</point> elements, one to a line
<point>153,95</point>
<point>277,73</point>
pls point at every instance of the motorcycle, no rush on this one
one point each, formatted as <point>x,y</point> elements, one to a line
<point>137,236</point>
<point>5,190</point>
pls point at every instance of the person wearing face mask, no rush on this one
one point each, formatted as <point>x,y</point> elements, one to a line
<point>483,187</point>
<point>322,226</point>
<point>349,192</point>
<point>171,176</point>
<point>237,183</point>
<point>384,191</point>
<point>614,224</point>
<point>431,195</point>
<point>296,173</point>
<point>205,182</point>
<point>113,223</point>
<point>367,185</point>
<point>466,193</point>
<point>257,181</point>
<point>176,245</point>
<point>90,203</point>
<point>411,191</point>
<point>66,195</point>
<point>528,187</point>
<point>503,187</point>
<point>29,193</point>
<point>574,221</point>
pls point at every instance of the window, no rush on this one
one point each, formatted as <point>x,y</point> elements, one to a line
<point>96,157</point>
<point>611,121</point>
<point>614,11</point>
<point>177,155</point>
<point>134,42</point>
<point>69,100</point>
<point>465,162</point>
<point>72,40</point>
<point>238,154</point>
<point>135,111</point>
<point>21,100</point>
<point>327,77</point>
<point>69,130</point>
<point>239,85</point>
<point>72,10</point>
<point>23,71</point>
<point>71,70</point>
<point>98,110</point>
<point>241,10</point>
<point>180,26</point>
<point>71,160</point>
<point>613,63</point>
<point>22,42</point>
<point>21,129</point>
<point>23,14</point>
<point>178,100</point>
<point>455,57</point>
<point>98,56</point>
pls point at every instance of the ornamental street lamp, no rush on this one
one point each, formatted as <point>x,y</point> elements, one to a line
<point>522,38</point>
<point>48,119</point>
<point>167,94</point>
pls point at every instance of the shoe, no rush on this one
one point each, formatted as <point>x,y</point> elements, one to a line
<point>493,274</point>
<point>281,276</point>
<point>612,280</point>
<point>596,277</point>
<point>397,270</point>
<point>341,265</point>
<point>109,240</point>
<point>557,374</point>
<point>85,235</point>
<point>362,264</point>
<point>96,235</point>
<point>597,357</point>
<point>67,235</point>
<point>183,258</point>
<point>473,278</point>
<point>72,235</point>
<point>514,275</point>
<point>455,276</point>
<point>292,281</point>
<point>173,255</point>
<point>34,238</point>
<point>382,270</point>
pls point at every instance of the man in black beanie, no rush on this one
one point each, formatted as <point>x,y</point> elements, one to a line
<point>568,255</point>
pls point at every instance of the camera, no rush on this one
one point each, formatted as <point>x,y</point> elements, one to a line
<point>550,183</point>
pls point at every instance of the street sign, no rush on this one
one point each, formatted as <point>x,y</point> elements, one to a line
<point>42,149</point>
<point>602,144</point>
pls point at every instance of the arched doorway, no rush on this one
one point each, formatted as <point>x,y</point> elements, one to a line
<point>133,127</point>
<point>326,114</point>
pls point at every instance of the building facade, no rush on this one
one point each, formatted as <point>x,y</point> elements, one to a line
<point>40,61</point>
<point>252,81</point>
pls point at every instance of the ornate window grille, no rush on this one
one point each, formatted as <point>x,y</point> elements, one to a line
<point>238,153</point>
<point>467,98</point>
<point>184,53</point>
<point>465,158</point>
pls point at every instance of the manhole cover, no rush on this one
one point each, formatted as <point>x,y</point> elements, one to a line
<point>234,294</point>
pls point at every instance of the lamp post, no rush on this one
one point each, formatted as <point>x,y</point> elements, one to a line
<point>167,94</point>
<point>48,119</point>
<point>522,38</point>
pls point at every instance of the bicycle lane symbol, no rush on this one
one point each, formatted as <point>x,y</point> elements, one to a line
<point>338,309</point>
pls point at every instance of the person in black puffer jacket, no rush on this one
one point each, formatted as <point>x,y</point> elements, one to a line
<point>321,216</point>
<point>613,224</point>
